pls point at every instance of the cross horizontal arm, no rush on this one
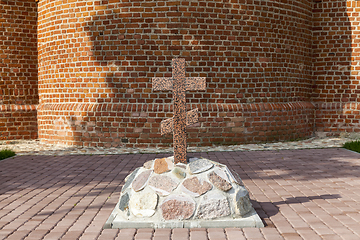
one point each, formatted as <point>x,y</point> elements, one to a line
<point>166,84</point>
<point>162,84</point>
<point>167,126</point>
<point>195,83</point>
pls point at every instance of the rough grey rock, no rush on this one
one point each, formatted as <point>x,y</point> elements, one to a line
<point>194,187</point>
<point>144,203</point>
<point>129,179</point>
<point>177,207</point>
<point>124,202</point>
<point>243,203</point>
<point>162,184</point>
<point>200,165</point>
<point>213,205</point>
<point>140,181</point>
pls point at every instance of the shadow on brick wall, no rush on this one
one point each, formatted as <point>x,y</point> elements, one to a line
<point>133,42</point>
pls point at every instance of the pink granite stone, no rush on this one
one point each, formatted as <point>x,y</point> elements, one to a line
<point>219,182</point>
<point>140,181</point>
<point>195,187</point>
<point>177,207</point>
<point>192,117</point>
<point>162,184</point>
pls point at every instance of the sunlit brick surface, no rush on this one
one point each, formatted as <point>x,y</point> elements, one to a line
<point>18,70</point>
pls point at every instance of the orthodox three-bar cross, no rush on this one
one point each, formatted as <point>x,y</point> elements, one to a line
<point>179,84</point>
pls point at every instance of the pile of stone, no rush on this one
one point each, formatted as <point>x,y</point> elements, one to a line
<point>202,193</point>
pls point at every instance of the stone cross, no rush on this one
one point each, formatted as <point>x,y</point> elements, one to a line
<point>179,84</point>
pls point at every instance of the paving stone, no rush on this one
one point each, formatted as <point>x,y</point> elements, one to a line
<point>143,204</point>
<point>234,234</point>
<point>200,165</point>
<point>162,233</point>
<point>143,234</point>
<point>140,181</point>
<point>126,234</point>
<point>129,179</point>
<point>162,165</point>
<point>177,207</point>
<point>274,170</point>
<point>243,204</point>
<point>179,172</point>
<point>162,184</point>
<point>198,234</point>
<point>217,178</point>
<point>194,187</point>
<point>216,234</point>
<point>213,205</point>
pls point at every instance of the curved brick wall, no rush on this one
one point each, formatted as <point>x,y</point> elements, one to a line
<point>18,70</point>
<point>336,66</point>
<point>97,58</point>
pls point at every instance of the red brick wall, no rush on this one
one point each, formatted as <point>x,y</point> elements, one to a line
<point>18,70</point>
<point>97,58</point>
<point>336,66</point>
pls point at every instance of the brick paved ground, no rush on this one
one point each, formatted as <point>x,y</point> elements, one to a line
<point>300,194</point>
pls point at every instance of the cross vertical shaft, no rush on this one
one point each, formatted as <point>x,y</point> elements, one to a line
<point>178,73</point>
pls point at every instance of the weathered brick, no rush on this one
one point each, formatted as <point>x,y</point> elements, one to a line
<point>265,64</point>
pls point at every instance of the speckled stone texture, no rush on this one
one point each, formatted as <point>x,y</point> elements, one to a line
<point>199,166</point>
<point>179,84</point>
<point>192,117</point>
<point>141,180</point>
<point>213,206</point>
<point>177,207</point>
<point>219,182</point>
<point>202,193</point>
<point>243,204</point>
<point>148,164</point>
<point>162,185</point>
<point>195,187</point>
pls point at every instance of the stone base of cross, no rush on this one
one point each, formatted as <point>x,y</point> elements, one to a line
<point>179,84</point>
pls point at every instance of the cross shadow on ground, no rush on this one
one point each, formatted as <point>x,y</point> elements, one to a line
<point>266,210</point>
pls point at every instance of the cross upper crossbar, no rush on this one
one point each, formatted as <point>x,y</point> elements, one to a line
<point>179,84</point>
